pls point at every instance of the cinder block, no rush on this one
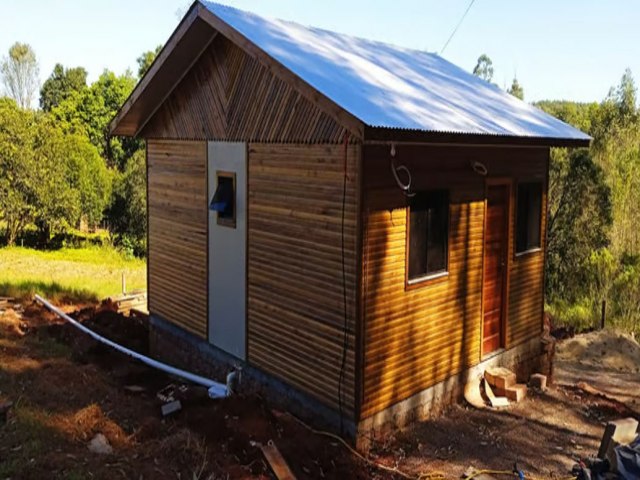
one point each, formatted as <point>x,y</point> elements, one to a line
<point>500,377</point>
<point>539,381</point>
<point>617,432</point>
<point>517,392</point>
<point>514,393</point>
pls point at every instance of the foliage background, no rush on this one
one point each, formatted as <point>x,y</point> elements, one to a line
<point>60,169</point>
<point>594,208</point>
<point>62,173</point>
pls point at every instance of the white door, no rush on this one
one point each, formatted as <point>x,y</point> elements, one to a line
<point>227,163</point>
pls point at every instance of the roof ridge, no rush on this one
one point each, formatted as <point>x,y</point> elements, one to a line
<point>320,29</point>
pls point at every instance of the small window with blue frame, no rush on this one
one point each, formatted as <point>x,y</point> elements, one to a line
<point>224,199</point>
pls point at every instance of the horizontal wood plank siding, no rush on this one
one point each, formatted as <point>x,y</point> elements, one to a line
<point>526,282</point>
<point>295,286</point>
<point>229,95</point>
<point>178,233</point>
<point>417,336</point>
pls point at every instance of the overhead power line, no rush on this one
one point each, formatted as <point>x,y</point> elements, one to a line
<point>457,26</point>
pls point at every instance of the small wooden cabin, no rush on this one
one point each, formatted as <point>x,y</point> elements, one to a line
<point>358,223</point>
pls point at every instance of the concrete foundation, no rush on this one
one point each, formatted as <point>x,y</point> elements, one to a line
<point>523,359</point>
<point>178,347</point>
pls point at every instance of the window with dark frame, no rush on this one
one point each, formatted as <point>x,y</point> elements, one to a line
<point>224,199</point>
<point>428,234</point>
<point>528,216</point>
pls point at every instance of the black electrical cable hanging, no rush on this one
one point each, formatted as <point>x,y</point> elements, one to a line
<point>457,26</point>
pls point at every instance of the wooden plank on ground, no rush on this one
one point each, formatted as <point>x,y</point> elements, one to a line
<point>276,461</point>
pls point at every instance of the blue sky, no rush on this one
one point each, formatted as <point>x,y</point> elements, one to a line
<point>558,49</point>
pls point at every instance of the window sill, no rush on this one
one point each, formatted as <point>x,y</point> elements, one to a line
<point>427,279</point>
<point>531,251</point>
<point>226,222</point>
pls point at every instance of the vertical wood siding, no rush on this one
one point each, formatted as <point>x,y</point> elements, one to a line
<point>417,336</point>
<point>295,287</point>
<point>178,233</point>
<point>229,95</point>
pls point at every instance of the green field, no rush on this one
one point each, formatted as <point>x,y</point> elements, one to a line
<point>68,274</point>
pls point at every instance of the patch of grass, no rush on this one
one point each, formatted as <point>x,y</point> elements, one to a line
<point>580,315</point>
<point>54,291</point>
<point>68,274</point>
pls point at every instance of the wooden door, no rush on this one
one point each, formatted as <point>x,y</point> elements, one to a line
<point>496,245</point>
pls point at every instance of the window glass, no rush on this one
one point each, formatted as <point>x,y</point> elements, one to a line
<point>529,212</point>
<point>428,233</point>
<point>223,201</point>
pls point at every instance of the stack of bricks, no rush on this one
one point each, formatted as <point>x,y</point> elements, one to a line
<point>504,384</point>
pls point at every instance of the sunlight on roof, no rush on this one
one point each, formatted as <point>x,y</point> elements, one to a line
<point>393,87</point>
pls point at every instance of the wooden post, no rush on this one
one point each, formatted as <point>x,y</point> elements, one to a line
<point>124,284</point>
<point>604,314</point>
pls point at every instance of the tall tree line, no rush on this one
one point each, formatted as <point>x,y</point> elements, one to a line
<point>58,165</point>
<point>594,209</point>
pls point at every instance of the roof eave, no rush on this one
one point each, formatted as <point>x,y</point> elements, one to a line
<point>383,134</point>
<point>179,52</point>
<point>181,46</point>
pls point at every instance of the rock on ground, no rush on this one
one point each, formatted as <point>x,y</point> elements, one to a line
<point>99,444</point>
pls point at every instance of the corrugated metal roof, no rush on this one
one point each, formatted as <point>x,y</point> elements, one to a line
<point>394,87</point>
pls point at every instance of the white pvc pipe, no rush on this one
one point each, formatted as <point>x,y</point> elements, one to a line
<point>215,389</point>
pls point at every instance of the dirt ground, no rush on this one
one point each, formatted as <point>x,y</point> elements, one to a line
<point>66,388</point>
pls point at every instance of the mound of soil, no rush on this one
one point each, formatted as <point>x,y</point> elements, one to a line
<point>602,348</point>
<point>130,332</point>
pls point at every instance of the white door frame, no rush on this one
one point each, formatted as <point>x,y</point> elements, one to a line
<point>227,264</point>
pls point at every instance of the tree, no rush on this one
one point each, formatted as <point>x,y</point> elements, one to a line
<point>84,172</point>
<point>73,183</point>
<point>594,206</point>
<point>17,167</point>
<point>89,111</point>
<point>113,90</point>
<point>60,84</point>
<point>625,96</point>
<point>484,68</point>
<point>616,147</point>
<point>146,59</point>
<point>19,72</point>
<point>128,210</point>
<point>56,203</point>
<point>48,178</point>
<point>580,217</point>
<point>581,115</point>
<point>516,89</point>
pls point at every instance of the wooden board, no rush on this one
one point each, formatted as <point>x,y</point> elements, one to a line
<point>295,286</point>
<point>416,337</point>
<point>177,262</point>
<point>229,95</point>
<point>496,250</point>
<point>277,462</point>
